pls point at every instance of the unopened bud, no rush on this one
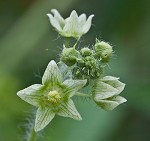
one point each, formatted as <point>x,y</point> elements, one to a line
<point>85,52</point>
<point>69,56</point>
<point>103,50</point>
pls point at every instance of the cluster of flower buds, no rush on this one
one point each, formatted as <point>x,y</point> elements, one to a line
<point>54,95</point>
<point>87,63</point>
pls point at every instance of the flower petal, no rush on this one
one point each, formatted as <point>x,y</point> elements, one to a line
<point>114,82</point>
<point>32,94</point>
<point>52,75</point>
<point>43,118</point>
<point>109,78</point>
<point>58,17</point>
<point>82,19</point>
<point>72,86</point>
<point>54,23</point>
<point>110,104</point>
<point>87,25</point>
<point>71,27</point>
<point>68,109</point>
<point>103,90</point>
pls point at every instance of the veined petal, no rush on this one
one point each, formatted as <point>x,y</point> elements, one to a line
<point>109,78</point>
<point>82,19</point>
<point>71,26</point>
<point>32,94</point>
<point>110,104</point>
<point>68,109</point>
<point>72,86</point>
<point>114,82</point>
<point>58,17</point>
<point>87,25</point>
<point>52,75</point>
<point>54,23</point>
<point>103,90</point>
<point>43,118</point>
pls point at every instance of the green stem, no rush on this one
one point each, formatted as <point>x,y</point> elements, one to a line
<point>32,135</point>
<point>84,95</point>
<point>67,43</point>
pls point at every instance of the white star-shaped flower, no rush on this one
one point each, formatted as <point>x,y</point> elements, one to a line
<point>73,26</point>
<point>52,97</point>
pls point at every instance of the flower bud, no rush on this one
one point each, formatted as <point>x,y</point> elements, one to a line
<point>69,56</point>
<point>85,52</point>
<point>106,92</point>
<point>103,50</point>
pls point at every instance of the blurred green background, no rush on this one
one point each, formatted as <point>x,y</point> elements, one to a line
<point>28,42</point>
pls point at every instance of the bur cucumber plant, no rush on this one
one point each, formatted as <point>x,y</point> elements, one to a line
<point>78,68</point>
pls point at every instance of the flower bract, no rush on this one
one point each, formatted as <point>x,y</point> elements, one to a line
<point>52,97</point>
<point>73,26</point>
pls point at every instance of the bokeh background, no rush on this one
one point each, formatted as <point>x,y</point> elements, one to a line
<point>28,43</point>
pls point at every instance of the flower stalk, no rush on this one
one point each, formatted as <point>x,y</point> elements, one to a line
<point>32,136</point>
<point>83,95</point>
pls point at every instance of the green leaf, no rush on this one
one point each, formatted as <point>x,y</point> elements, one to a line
<point>68,109</point>
<point>43,118</point>
<point>72,86</point>
<point>111,103</point>
<point>32,94</point>
<point>52,75</point>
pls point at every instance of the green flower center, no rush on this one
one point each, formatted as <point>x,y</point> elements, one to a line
<point>54,97</point>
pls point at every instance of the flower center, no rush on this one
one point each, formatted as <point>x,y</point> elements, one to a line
<point>54,97</point>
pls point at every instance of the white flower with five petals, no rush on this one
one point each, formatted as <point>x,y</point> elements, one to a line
<point>73,26</point>
<point>52,97</point>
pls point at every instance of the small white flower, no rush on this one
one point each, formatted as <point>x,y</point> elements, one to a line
<point>52,97</point>
<point>73,26</point>
<point>106,91</point>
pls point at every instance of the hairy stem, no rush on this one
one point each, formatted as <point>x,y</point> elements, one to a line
<point>32,135</point>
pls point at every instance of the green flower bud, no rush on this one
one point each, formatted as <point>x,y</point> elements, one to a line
<point>103,50</point>
<point>85,52</point>
<point>69,56</point>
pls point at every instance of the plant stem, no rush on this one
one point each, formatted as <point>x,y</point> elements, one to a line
<point>32,135</point>
<point>67,42</point>
<point>84,95</point>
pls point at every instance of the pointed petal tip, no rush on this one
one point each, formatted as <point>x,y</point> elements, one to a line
<point>18,93</point>
<point>79,118</point>
<point>36,129</point>
<point>52,62</point>
<point>49,15</point>
<point>74,13</point>
<point>85,81</point>
<point>92,16</point>
<point>53,10</point>
<point>124,100</point>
